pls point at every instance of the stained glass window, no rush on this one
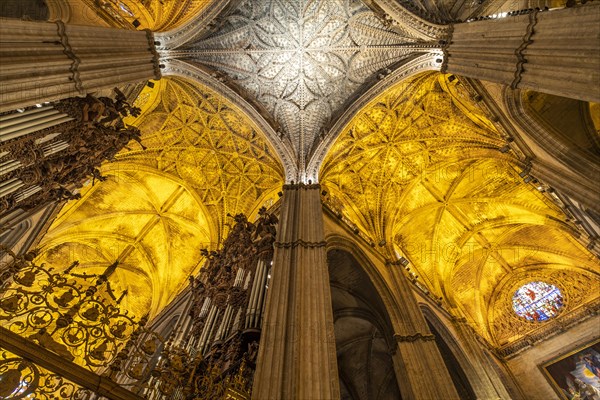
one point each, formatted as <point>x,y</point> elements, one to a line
<point>126,9</point>
<point>537,301</point>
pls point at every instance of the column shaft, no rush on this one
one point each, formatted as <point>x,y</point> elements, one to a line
<point>555,52</point>
<point>419,365</point>
<point>297,358</point>
<point>484,380</point>
<point>49,61</point>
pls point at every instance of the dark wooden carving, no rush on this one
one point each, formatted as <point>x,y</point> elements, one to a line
<point>96,134</point>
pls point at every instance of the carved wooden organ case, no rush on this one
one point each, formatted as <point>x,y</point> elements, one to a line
<point>211,354</point>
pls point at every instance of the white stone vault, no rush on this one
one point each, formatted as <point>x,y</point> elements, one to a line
<point>301,63</point>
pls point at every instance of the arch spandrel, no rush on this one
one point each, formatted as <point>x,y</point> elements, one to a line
<point>421,172</point>
<point>167,197</point>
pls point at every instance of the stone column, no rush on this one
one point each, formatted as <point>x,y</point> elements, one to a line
<point>555,52</point>
<point>485,382</point>
<point>49,61</point>
<point>297,358</point>
<point>419,366</point>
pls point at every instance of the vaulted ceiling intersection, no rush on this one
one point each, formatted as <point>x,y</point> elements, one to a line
<point>302,61</point>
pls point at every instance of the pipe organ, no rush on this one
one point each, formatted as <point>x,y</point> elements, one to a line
<point>211,353</point>
<point>49,150</point>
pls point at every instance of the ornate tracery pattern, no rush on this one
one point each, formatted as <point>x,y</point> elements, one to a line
<point>194,135</point>
<point>301,60</point>
<point>537,301</point>
<point>420,171</point>
<point>157,15</point>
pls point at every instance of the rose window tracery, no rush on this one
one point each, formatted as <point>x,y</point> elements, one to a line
<point>537,301</point>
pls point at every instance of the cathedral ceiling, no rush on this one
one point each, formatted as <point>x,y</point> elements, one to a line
<point>301,61</point>
<point>444,11</point>
<point>156,15</point>
<point>160,205</point>
<point>420,170</point>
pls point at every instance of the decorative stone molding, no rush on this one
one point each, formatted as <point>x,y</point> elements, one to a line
<point>544,333</point>
<point>300,243</point>
<point>497,50</point>
<point>414,24</point>
<point>201,24</point>
<point>68,51</point>
<point>425,337</point>
<point>527,40</point>
<point>577,178</point>
<point>445,45</point>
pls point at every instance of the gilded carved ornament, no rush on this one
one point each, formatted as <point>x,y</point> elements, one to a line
<point>578,288</point>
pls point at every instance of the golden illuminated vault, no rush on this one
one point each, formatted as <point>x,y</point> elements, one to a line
<point>420,170</point>
<point>157,15</point>
<point>160,205</point>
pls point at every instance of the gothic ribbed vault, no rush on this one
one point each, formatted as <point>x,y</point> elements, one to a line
<point>202,161</point>
<point>301,62</point>
<point>157,15</point>
<point>420,171</point>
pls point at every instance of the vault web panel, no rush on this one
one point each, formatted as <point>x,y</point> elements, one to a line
<point>301,59</point>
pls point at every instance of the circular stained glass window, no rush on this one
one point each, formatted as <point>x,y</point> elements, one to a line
<point>537,301</point>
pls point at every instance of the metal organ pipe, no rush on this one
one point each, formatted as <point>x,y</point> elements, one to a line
<point>10,186</point>
<point>207,330</point>
<point>236,321</point>
<point>263,295</point>
<point>8,119</point>
<point>223,327</point>
<point>239,277</point>
<point>205,307</point>
<point>33,126</point>
<point>258,286</point>
<point>9,166</point>
<point>250,308</point>
<point>27,192</point>
<point>47,138</point>
<point>55,147</point>
<point>26,119</point>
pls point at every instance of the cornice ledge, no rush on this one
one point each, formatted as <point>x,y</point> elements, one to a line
<point>198,26</point>
<point>300,243</point>
<point>415,25</point>
<point>425,337</point>
<point>430,61</point>
<point>544,333</point>
<point>185,70</point>
<point>304,186</point>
